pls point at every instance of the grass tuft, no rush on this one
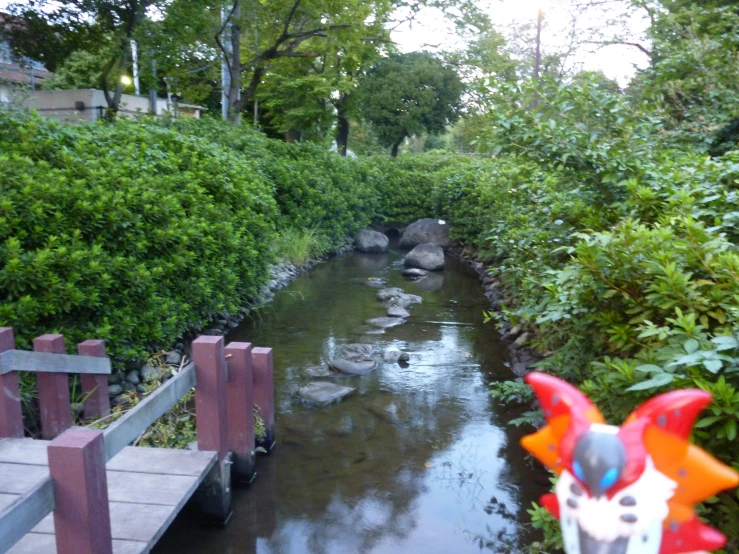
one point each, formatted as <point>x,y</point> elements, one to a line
<point>300,246</point>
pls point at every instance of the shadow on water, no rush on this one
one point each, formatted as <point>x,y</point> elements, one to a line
<point>418,460</point>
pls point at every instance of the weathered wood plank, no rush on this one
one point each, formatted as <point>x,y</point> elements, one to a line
<point>24,451</point>
<point>128,522</point>
<point>19,479</point>
<point>143,520</point>
<point>25,512</point>
<point>163,461</point>
<point>7,499</point>
<point>147,488</point>
<point>167,461</point>
<point>47,362</point>
<point>42,543</point>
<point>125,430</point>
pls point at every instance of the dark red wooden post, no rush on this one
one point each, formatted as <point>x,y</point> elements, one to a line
<point>11,417</point>
<point>53,390</point>
<point>240,406</point>
<point>212,425</point>
<point>264,393</point>
<point>94,387</point>
<point>82,513</point>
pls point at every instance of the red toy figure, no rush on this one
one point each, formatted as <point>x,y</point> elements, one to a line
<point>628,489</point>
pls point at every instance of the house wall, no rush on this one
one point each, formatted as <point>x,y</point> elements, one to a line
<point>63,105</point>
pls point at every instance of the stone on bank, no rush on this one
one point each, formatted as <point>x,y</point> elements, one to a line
<point>372,242</point>
<point>426,231</point>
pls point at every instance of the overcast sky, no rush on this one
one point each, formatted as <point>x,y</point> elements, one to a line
<point>617,61</point>
<point>430,32</point>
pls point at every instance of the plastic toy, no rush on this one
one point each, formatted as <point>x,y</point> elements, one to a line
<point>629,489</point>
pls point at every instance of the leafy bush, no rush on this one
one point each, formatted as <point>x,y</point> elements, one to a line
<point>405,185</point>
<point>314,188</point>
<point>618,252</point>
<point>136,232</point>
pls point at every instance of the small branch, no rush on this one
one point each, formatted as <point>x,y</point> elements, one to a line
<point>290,16</point>
<point>320,31</point>
<point>621,42</point>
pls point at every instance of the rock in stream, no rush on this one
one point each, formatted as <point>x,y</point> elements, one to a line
<point>352,368</point>
<point>323,393</point>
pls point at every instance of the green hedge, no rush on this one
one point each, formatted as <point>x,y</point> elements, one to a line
<point>137,232</point>
<point>130,232</point>
<point>314,188</point>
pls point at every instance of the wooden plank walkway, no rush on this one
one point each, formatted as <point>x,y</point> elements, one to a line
<point>86,491</point>
<point>147,488</point>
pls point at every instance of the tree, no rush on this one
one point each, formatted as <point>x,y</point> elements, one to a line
<point>408,94</point>
<point>285,29</point>
<point>82,69</point>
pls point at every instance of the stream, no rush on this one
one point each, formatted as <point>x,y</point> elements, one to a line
<point>418,460</point>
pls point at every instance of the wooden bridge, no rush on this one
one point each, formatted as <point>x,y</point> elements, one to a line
<point>85,491</point>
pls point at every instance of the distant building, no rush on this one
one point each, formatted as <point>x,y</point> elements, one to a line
<point>23,77</point>
<point>17,73</point>
<point>90,105</point>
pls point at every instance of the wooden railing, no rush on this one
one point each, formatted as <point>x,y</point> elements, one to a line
<point>227,380</point>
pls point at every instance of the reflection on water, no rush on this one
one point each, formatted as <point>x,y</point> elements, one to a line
<point>418,460</point>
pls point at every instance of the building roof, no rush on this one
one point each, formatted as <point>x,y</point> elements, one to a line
<point>27,72</point>
<point>14,73</point>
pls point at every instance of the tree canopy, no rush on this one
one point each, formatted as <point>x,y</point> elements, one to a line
<point>407,94</point>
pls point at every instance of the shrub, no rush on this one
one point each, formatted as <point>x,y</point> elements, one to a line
<point>130,232</point>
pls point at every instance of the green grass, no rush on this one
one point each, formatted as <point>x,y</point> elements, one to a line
<point>300,246</point>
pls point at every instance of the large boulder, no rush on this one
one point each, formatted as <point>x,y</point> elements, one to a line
<point>371,241</point>
<point>426,256</point>
<point>426,231</point>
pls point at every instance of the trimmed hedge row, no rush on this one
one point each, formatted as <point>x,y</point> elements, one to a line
<point>136,232</point>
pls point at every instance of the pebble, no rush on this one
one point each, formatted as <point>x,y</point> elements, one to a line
<point>174,357</point>
<point>149,373</point>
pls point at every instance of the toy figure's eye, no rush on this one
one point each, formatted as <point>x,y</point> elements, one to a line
<point>610,477</point>
<point>577,468</point>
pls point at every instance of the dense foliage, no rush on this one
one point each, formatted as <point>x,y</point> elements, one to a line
<point>618,251</point>
<point>407,94</point>
<point>138,232</point>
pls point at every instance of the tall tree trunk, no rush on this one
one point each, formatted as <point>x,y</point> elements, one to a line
<point>342,124</point>
<point>119,84</point>
<point>234,110</point>
<point>396,146</point>
<point>113,101</point>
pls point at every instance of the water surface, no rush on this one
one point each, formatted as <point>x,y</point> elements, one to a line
<point>418,460</point>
